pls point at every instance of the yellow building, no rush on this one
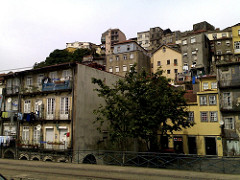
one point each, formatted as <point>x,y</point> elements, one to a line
<point>169,59</point>
<point>204,138</point>
<point>236,38</point>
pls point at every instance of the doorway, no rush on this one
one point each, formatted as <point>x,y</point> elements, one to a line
<point>210,146</point>
<point>192,145</point>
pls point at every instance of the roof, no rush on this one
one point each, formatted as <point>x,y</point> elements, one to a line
<point>169,46</point>
<point>207,76</point>
<point>190,97</point>
<point>130,41</point>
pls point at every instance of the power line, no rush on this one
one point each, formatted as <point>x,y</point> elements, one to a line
<point>15,69</point>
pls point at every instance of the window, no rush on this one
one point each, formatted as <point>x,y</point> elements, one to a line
<point>36,135</point>
<point>175,71</point>
<point>130,66</point>
<point>228,43</point>
<point>164,49</point>
<point>25,134</point>
<point>110,69</point>
<point>191,116</point>
<point>29,81</point>
<point>27,106</point>
<point>118,49</point>
<point>159,63</point>
<point>124,57</point>
<point>38,104</point>
<point>214,85</point>
<point>219,43</point>
<point>124,68</point>
<point>50,106</point>
<point>64,106</point>
<point>53,76</point>
<point>184,42</point>
<point>219,52</point>
<point>168,62</point>
<point>110,59</point>
<point>175,62</point>
<point>224,34</point>
<point>15,105</point>
<point>237,45</point>
<point>213,116</point>
<point>128,47</point>
<point>193,40</point>
<point>214,36</point>
<point>204,116</point>
<point>66,74</point>
<point>227,99</point>
<point>205,86</point>
<point>39,79</point>
<point>117,69</point>
<point>131,56</point>
<point>203,100</point>
<point>212,100</point>
<point>228,123</point>
<point>168,71</point>
<point>239,32</point>
<point>194,52</point>
<point>117,58</point>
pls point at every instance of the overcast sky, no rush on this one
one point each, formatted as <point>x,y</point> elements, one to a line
<point>31,29</point>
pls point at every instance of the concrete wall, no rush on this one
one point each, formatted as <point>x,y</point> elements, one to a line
<point>85,134</point>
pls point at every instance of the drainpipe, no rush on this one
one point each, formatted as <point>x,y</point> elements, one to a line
<point>73,108</point>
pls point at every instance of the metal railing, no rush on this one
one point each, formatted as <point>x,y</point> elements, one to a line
<point>214,164</point>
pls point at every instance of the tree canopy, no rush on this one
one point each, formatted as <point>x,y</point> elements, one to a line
<point>62,56</point>
<point>141,106</point>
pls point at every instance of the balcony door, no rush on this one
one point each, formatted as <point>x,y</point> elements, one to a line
<point>49,137</point>
<point>63,138</point>
<point>50,108</point>
<point>64,111</point>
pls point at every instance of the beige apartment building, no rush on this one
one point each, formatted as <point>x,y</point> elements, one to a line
<point>169,59</point>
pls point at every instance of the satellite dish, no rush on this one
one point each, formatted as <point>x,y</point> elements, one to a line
<point>221,123</point>
<point>38,127</point>
<point>9,100</point>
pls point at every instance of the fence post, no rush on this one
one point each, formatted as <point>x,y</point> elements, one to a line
<point>200,168</point>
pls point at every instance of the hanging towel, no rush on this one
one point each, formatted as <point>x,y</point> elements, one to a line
<point>28,117</point>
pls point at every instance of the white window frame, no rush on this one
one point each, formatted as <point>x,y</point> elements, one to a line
<point>51,103</point>
<point>204,116</point>
<point>191,116</point>
<point>184,42</point>
<point>203,100</point>
<point>229,123</point>
<point>214,85</point>
<point>124,68</point>
<point>116,68</point>
<point>110,69</point>
<point>193,40</point>
<point>27,106</point>
<point>25,134</point>
<point>205,86</point>
<point>39,79</point>
<point>213,116</point>
<point>66,74</point>
<point>212,99</point>
<point>64,107</point>
<point>131,56</point>
<point>36,135</point>
<point>29,81</point>
<point>227,99</point>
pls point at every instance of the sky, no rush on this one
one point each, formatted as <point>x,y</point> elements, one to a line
<point>31,29</point>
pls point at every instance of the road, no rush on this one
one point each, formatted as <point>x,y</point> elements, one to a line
<point>35,170</point>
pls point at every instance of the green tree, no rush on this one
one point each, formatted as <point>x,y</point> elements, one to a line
<point>140,106</point>
<point>62,56</point>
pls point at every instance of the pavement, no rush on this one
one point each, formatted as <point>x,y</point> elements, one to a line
<point>23,169</point>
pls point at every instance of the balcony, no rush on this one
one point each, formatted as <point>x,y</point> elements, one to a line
<point>57,85</point>
<point>12,90</point>
<point>57,115</point>
<point>53,145</point>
